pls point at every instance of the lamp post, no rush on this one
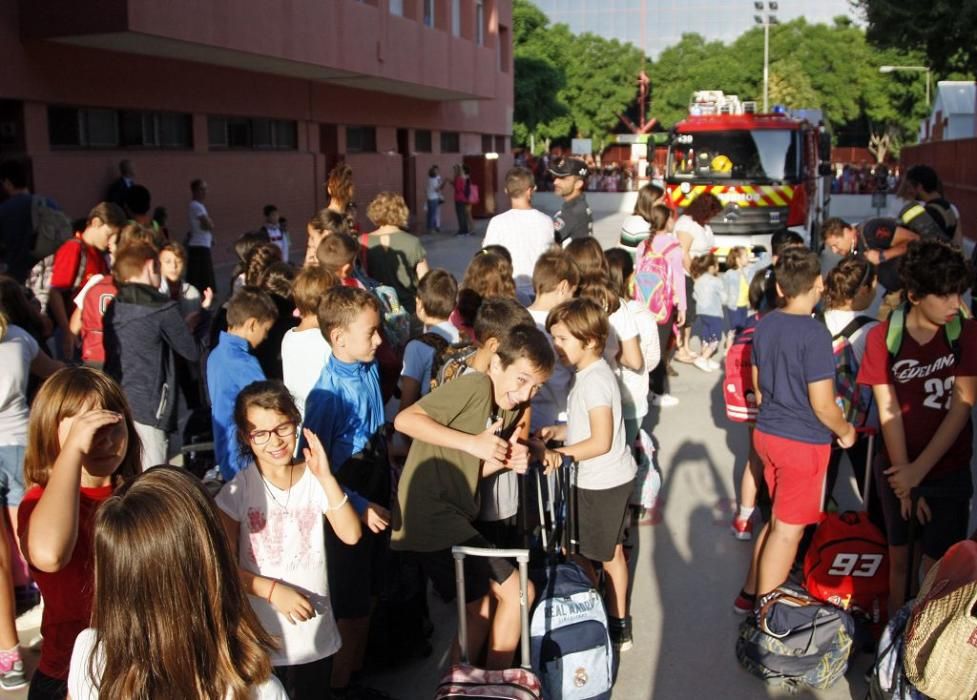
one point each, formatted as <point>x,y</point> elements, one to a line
<point>766,18</point>
<point>922,69</point>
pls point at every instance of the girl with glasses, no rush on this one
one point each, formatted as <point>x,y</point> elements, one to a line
<point>273,513</point>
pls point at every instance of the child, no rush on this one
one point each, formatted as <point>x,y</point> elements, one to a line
<point>736,284</point>
<point>488,275</point>
<point>345,411</point>
<point>276,281</point>
<point>325,223</point>
<point>593,436</point>
<point>81,444</point>
<point>160,547</point>
<point>794,377</point>
<point>304,349</point>
<point>555,280</point>
<point>270,511</point>
<point>231,367</point>
<point>436,294</point>
<point>143,329</point>
<point>242,250</point>
<point>173,266</point>
<point>452,450</point>
<point>709,299</point>
<point>337,254</point>
<point>925,388</point>
<point>622,347</point>
<point>77,260</point>
<point>634,383</point>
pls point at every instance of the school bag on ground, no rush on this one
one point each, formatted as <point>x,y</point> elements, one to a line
<point>847,562</point>
<point>941,635</point>
<point>50,228</point>
<point>795,642</point>
<point>571,646</point>
<point>853,399</point>
<point>463,680</point>
<point>739,393</point>
<point>888,678</point>
<point>653,281</point>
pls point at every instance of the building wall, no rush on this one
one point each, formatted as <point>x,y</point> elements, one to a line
<point>956,163</point>
<point>38,73</point>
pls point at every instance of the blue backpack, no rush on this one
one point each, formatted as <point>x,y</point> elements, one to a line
<point>570,646</point>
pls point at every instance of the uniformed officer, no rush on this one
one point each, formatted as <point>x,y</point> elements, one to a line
<point>574,219</point>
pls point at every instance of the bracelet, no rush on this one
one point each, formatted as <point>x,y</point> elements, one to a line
<point>341,503</point>
<point>271,590</point>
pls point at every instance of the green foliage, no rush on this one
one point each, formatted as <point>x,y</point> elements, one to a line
<point>941,30</point>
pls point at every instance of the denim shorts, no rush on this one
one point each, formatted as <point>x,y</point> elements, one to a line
<point>12,474</point>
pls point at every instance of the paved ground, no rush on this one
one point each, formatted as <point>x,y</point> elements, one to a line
<point>687,567</point>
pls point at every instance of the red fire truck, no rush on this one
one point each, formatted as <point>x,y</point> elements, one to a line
<point>770,171</point>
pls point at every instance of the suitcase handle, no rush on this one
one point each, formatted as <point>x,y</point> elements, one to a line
<point>522,558</point>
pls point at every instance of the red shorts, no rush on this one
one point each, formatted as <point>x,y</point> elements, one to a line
<point>794,472</point>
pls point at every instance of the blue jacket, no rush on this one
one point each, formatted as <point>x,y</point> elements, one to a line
<point>230,368</point>
<point>345,411</point>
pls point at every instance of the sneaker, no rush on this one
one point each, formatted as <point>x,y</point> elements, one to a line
<point>14,678</point>
<point>712,363</point>
<point>664,400</point>
<point>742,528</point>
<point>744,604</point>
<point>702,364</point>
<point>620,632</point>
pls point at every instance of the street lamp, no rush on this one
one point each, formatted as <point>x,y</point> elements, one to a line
<point>766,18</point>
<point>924,69</point>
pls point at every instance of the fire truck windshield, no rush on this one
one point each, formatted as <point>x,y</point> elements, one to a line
<point>764,155</point>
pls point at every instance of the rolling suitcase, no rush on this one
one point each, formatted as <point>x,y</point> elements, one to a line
<point>464,680</point>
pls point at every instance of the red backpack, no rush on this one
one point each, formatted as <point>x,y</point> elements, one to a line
<point>738,390</point>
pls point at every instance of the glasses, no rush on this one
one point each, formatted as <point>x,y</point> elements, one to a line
<point>260,437</point>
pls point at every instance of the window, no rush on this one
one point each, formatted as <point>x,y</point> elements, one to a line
<point>504,49</point>
<point>361,139</point>
<point>422,141</point>
<point>85,127</point>
<point>500,144</point>
<point>429,19</point>
<point>487,143</point>
<point>480,22</point>
<point>456,17</point>
<point>397,7</point>
<point>243,133</point>
<point>450,142</point>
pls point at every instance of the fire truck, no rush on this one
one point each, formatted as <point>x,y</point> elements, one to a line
<point>770,171</point>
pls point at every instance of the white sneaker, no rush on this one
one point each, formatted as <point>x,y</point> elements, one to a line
<point>664,400</point>
<point>703,364</point>
<point>712,363</point>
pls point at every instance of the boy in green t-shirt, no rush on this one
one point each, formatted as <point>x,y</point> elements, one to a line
<point>457,433</point>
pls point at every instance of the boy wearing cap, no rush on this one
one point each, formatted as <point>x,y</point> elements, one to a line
<point>574,218</point>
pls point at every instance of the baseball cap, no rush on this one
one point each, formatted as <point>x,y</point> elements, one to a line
<point>569,166</point>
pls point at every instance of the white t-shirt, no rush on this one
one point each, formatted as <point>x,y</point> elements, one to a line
<point>304,354</point>
<point>595,386</point>
<point>419,356</point>
<point>81,686</point>
<point>434,187</point>
<point>634,384</point>
<point>837,319</point>
<point>526,234</point>
<point>17,351</point>
<point>198,236</point>
<point>282,537</point>
<point>621,328</point>
<point>703,239</point>
<point>550,403</point>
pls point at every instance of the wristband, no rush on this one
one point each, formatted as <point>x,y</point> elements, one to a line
<point>341,503</point>
<point>881,256</point>
<point>271,590</point>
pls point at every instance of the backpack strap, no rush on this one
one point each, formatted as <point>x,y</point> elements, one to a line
<point>856,323</point>
<point>896,329</point>
<point>82,264</point>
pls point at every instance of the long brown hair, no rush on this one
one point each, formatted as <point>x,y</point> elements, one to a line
<point>703,208</point>
<point>845,280</point>
<point>648,197</point>
<point>65,394</point>
<point>487,275</point>
<point>170,613</point>
<point>595,280</point>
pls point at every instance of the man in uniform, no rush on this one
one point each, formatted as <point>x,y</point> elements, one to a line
<point>574,219</point>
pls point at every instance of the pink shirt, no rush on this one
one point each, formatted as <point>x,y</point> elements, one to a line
<point>659,242</point>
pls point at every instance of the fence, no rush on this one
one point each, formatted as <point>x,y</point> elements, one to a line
<point>956,163</point>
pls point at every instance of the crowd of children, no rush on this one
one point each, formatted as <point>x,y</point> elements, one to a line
<point>348,444</point>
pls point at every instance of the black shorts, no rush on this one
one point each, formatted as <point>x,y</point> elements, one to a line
<point>690,314</point>
<point>354,572</point>
<point>602,519</point>
<point>439,567</point>
<point>948,499</point>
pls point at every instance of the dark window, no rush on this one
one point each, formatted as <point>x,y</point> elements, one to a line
<point>500,144</point>
<point>429,13</point>
<point>239,133</point>
<point>252,134</point>
<point>175,130</point>
<point>86,127</point>
<point>487,144</point>
<point>450,142</point>
<point>422,141</point>
<point>155,130</point>
<point>505,48</point>
<point>64,126</point>
<point>361,139</point>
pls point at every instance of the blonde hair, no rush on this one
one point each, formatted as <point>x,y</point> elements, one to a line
<point>388,209</point>
<point>65,394</point>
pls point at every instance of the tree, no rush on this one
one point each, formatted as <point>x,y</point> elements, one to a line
<point>790,86</point>
<point>943,30</point>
